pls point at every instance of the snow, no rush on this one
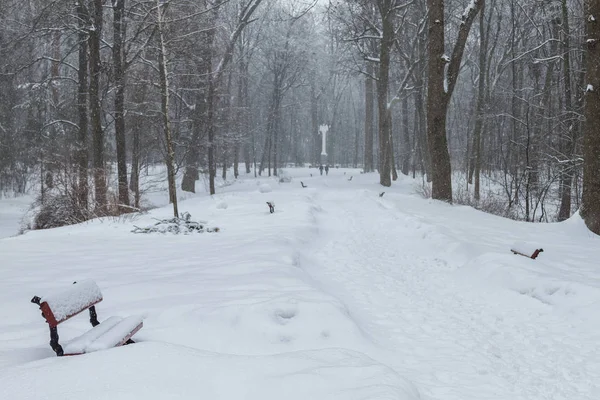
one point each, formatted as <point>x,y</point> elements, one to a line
<point>590,88</point>
<point>70,301</point>
<point>165,371</point>
<point>341,294</point>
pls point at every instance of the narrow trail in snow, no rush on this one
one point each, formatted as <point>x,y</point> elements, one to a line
<point>453,340</point>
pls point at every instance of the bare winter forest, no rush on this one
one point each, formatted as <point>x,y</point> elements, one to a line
<point>492,103</point>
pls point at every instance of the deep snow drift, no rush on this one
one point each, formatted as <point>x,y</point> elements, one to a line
<point>339,294</point>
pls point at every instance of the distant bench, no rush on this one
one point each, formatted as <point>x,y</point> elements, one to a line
<point>526,249</point>
<point>60,306</point>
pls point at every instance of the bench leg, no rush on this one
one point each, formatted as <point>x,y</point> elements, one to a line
<point>54,342</point>
<point>93,316</point>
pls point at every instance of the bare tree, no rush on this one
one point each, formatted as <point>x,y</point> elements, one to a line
<point>443,74</point>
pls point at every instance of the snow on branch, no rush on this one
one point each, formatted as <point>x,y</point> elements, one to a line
<point>471,8</point>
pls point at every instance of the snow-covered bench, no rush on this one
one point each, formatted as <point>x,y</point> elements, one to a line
<point>526,249</point>
<point>60,306</point>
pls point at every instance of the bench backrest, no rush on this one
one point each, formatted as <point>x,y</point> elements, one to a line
<point>58,307</point>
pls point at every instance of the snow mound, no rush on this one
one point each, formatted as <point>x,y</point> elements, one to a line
<point>265,188</point>
<point>256,324</point>
<point>158,371</point>
<point>222,205</point>
<point>531,278</point>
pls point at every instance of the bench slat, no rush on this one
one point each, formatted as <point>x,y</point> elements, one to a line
<point>118,335</point>
<point>113,332</point>
<point>80,343</point>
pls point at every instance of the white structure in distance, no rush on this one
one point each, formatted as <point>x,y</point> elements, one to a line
<point>323,131</point>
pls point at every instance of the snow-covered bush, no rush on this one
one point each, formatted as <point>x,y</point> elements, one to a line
<point>52,210</point>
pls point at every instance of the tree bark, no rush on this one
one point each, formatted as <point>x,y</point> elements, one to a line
<point>590,207</point>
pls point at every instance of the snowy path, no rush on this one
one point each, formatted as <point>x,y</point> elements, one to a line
<point>397,274</point>
<point>340,294</point>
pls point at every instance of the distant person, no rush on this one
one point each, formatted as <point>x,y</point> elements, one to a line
<point>321,169</point>
<point>327,170</point>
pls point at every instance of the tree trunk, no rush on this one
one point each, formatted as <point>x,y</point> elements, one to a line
<point>82,108</point>
<point>384,113</point>
<point>245,115</point>
<point>443,74</point>
<point>226,144</point>
<point>314,116</point>
<point>480,112</point>
<point>369,118</point>
<point>406,147</point>
<point>164,89</point>
<point>139,96</point>
<point>424,155</point>
<point>134,182</point>
<point>119,75</point>
<point>200,124</point>
<point>590,207</point>
<point>437,89</point>
<point>95,36</point>
<point>566,181</point>
<point>210,121</point>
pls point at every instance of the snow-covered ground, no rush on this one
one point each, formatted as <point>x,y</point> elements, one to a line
<point>340,294</point>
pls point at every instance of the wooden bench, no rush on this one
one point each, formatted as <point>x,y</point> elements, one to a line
<point>526,250</point>
<point>60,306</point>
